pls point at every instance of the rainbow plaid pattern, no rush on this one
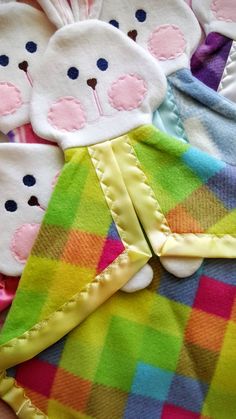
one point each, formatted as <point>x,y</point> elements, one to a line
<point>167,352</point>
<point>187,183</point>
<point>76,242</point>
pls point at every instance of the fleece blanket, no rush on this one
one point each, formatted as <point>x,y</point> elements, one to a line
<point>165,352</point>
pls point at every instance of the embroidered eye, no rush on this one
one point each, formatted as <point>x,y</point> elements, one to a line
<point>114,22</point>
<point>11,206</point>
<point>102,64</point>
<point>29,180</point>
<point>4,60</point>
<point>31,47</point>
<point>141,15</point>
<point>73,73</point>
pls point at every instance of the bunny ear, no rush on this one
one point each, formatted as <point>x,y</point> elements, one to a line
<point>217,16</point>
<point>59,12</point>
<point>88,9</point>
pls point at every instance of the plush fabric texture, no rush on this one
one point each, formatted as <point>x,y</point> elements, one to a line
<point>90,98</point>
<point>78,239</point>
<point>209,61</point>
<point>202,117</point>
<point>189,182</point>
<point>8,287</point>
<point>27,31</point>
<point>227,85</point>
<point>216,16</point>
<point>173,358</point>
<point>168,30</point>
<point>27,176</point>
<point>25,134</point>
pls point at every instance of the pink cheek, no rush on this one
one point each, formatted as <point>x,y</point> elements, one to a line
<point>23,240</point>
<point>12,99</point>
<point>224,10</point>
<point>167,42</point>
<point>127,92</point>
<point>67,114</point>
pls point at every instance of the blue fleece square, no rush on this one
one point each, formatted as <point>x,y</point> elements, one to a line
<point>187,393</point>
<point>152,382</point>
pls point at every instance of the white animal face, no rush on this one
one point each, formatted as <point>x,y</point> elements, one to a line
<point>166,29</point>
<point>24,34</point>
<point>27,177</point>
<point>99,84</point>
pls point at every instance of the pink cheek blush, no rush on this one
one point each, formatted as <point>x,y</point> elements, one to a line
<point>127,92</point>
<point>224,10</point>
<point>167,42</point>
<point>23,240</point>
<point>10,98</point>
<point>67,114</point>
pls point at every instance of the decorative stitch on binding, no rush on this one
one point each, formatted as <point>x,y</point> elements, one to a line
<point>164,227</point>
<point>25,399</point>
<point>97,164</point>
<point>174,110</point>
<point>104,276</point>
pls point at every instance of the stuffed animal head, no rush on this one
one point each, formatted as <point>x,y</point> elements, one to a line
<point>99,84</point>
<point>166,29</point>
<point>24,34</point>
<point>27,177</point>
<point>217,16</point>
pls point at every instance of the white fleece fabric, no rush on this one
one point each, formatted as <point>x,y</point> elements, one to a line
<point>216,16</point>
<point>28,173</point>
<point>166,29</point>
<point>24,34</point>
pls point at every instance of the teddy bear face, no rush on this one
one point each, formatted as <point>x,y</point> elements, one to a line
<point>169,33</point>
<point>99,85</point>
<point>27,177</point>
<point>24,35</point>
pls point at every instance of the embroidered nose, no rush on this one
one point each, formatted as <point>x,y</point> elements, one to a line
<point>92,83</point>
<point>23,66</point>
<point>33,201</point>
<point>133,34</point>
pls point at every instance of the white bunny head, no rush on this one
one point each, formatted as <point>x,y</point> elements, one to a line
<point>24,34</point>
<point>94,84</point>
<point>27,176</point>
<point>217,16</point>
<point>166,29</point>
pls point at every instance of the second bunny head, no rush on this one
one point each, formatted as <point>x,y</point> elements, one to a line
<point>25,32</point>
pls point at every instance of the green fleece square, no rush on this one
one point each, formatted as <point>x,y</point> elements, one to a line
<point>160,349</point>
<point>119,357</point>
<point>27,305</point>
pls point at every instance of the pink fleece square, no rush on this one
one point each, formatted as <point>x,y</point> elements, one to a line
<point>173,412</point>
<point>215,297</point>
<point>37,375</point>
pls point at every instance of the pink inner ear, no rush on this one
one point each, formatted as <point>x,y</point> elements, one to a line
<point>10,98</point>
<point>127,92</point>
<point>224,10</point>
<point>167,42</point>
<point>67,114</point>
<point>23,240</point>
